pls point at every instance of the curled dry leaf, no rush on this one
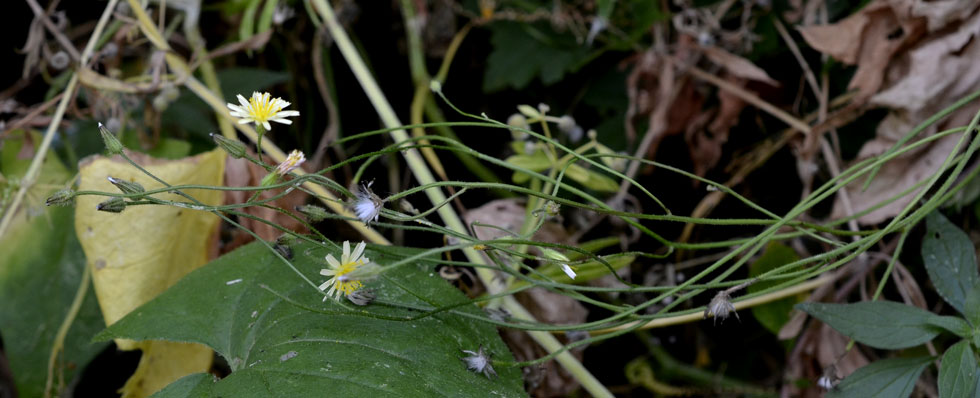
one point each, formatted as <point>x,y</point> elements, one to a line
<point>737,66</point>
<point>934,74</point>
<point>870,39</point>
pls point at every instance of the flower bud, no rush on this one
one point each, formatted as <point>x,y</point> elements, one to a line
<point>112,144</point>
<point>64,197</point>
<point>113,205</point>
<point>127,187</point>
<point>313,213</point>
<point>235,148</point>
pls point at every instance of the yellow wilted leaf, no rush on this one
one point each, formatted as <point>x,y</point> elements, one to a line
<point>137,254</point>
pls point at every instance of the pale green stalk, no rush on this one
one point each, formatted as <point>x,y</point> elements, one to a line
<point>448,215</point>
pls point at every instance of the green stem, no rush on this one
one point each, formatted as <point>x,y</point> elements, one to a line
<point>448,215</point>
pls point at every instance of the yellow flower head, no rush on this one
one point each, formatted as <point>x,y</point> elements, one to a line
<point>261,109</point>
<point>292,161</point>
<point>340,283</point>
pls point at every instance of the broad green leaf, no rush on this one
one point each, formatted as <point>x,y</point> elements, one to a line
<point>972,306</point>
<point>775,314</point>
<point>281,339</point>
<point>40,272</point>
<point>958,372</point>
<point>879,324</point>
<point>522,52</point>
<point>887,378</point>
<point>950,260</point>
<point>195,385</point>
<point>954,324</point>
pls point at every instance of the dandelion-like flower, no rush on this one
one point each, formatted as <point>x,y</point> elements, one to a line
<point>340,283</point>
<point>479,362</point>
<point>261,109</point>
<point>367,206</point>
<point>295,158</point>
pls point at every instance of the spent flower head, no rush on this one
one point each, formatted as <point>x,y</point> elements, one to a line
<point>721,307</point>
<point>262,109</point>
<point>367,206</point>
<point>341,283</point>
<point>479,362</point>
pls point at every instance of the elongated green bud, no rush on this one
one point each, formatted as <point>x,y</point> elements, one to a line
<point>112,144</point>
<point>113,205</point>
<point>64,197</point>
<point>235,148</point>
<point>127,187</point>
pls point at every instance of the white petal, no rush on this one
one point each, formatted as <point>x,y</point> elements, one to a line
<point>346,257</point>
<point>358,251</point>
<point>568,271</point>
<point>327,272</point>
<point>333,261</point>
<point>268,127</point>
<point>283,121</point>
<point>287,113</point>
<point>243,101</point>
<point>245,121</point>
<point>323,286</point>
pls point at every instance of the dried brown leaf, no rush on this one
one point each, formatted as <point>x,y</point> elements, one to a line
<point>737,65</point>
<point>938,72</point>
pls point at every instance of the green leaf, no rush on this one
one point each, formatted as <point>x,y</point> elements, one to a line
<point>40,271</point>
<point>950,260</point>
<point>591,179</point>
<point>954,324</point>
<point>522,52</point>
<point>193,385</point>
<point>887,378</point>
<point>535,162</point>
<point>280,339</point>
<point>775,314</point>
<point>958,372</point>
<point>972,306</point>
<point>879,324</point>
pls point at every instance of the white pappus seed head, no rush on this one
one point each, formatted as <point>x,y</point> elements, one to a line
<point>479,362</point>
<point>367,206</point>
<point>720,307</point>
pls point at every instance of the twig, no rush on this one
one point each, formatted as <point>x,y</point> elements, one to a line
<point>30,177</point>
<point>58,35</point>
